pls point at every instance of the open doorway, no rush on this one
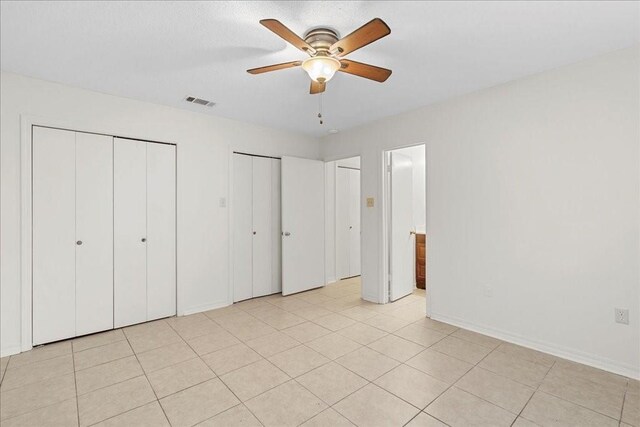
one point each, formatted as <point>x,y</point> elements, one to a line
<point>405,223</point>
<point>343,237</point>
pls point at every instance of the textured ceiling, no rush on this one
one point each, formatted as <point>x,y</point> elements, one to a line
<point>162,51</point>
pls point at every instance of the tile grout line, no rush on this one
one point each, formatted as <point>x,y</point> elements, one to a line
<point>39,380</point>
<point>75,383</point>
<point>569,401</point>
<point>360,376</point>
<point>4,371</point>
<point>456,381</point>
<point>533,394</point>
<point>429,415</point>
<point>146,378</point>
<point>574,403</point>
<point>228,409</point>
<point>216,376</point>
<point>509,378</point>
<point>442,393</point>
<point>624,400</point>
<point>121,413</point>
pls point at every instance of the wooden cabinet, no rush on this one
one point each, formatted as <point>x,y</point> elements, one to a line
<point>421,260</point>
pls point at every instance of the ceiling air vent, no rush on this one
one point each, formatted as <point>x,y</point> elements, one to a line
<point>199,101</point>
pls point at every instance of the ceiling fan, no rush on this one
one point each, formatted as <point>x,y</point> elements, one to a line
<point>327,52</point>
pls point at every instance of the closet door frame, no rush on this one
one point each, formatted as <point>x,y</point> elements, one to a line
<point>27,123</point>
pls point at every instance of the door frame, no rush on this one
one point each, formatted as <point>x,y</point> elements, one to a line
<point>27,122</point>
<point>386,218</point>
<point>335,197</point>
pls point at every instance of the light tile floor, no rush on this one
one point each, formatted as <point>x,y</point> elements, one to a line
<point>319,358</point>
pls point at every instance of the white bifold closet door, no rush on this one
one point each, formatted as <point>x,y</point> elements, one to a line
<point>256,227</point>
<point>72,234</point>
<point>130,231</point>
<point>242,227</point>
<point>276,228</point>
<point>347,222</point>
<point>161,230</point>
<point>94,227</point>
<point>261,218</point>
<point>144,231</point>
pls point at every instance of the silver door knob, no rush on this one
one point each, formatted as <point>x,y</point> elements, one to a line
<point>144,239</point>
<point>286,233</point>
<point>79,242</point>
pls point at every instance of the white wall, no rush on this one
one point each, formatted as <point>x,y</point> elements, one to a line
<point>533,190</point>
<point>417,155</point>
<point>204,145</point>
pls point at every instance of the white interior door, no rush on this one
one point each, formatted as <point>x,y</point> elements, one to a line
<point>94,228</point>
<point>302,224</point>
<point>261,218</point>
<point>343,222</point>
<point>354,218</point>
<point>276,229</point>
<point>402,241</point>
<point>161,230</point>
<point>54,248</point>
<point>130,231</point>
<point>242,227</point>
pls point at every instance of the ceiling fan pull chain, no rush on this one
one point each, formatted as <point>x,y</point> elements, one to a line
<point>320,108</point>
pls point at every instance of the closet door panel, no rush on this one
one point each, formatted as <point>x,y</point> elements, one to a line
<point>261,209</point>
<point>53,192</point>
<point>161,230</point>
<point>354,215</point>
<point>94,227</point>
<point>130,204</point>
<point>342,222</point>
<point>276,229</point>
<point>242,227</point>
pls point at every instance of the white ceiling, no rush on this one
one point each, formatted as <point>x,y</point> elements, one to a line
<point>162,51</point>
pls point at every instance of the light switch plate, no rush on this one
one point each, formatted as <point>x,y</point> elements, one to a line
<point>370,202</point>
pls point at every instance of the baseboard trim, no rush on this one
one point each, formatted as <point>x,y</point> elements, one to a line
<point>15,349</point>
<point>331,280</point>
<point>553,349</point>
<point>205,307</point>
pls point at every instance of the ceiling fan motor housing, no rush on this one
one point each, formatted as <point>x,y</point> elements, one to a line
<point>321,39</point>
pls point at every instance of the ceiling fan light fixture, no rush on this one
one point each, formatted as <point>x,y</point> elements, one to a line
<point>321,68</point>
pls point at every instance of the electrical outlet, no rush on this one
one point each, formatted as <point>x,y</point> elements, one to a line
<point>622,316</point>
